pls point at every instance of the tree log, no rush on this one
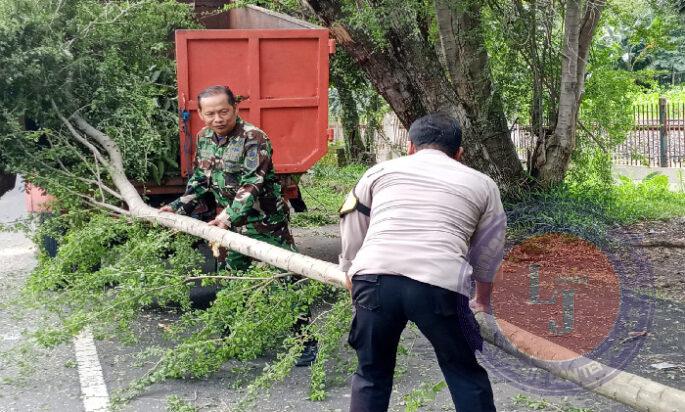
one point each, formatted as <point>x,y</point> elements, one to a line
<point>632,390</point>
<point>675,243</point>
<point>624,387</point>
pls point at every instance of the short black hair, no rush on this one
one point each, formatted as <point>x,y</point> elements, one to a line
<point>437,130</point>
<point>215,91</point>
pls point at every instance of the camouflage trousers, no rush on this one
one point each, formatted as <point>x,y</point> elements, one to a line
<point>277,235</point>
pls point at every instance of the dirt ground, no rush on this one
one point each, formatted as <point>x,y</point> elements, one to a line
<point>665,250</point>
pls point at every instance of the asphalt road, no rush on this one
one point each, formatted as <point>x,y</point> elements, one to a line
<point>32,380</point>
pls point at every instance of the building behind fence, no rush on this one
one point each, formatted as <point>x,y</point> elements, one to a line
<point>657,138</point>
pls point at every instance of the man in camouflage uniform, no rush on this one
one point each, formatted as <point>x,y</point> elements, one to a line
<point>234,165</point>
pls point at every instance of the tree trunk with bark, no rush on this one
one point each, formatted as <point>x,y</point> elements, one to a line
<point>553,153</point>
<point>407,71</point>
<point>463,48</point>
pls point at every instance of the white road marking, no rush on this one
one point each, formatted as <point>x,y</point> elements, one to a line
<point>93,388</point>
<point>16,251</point>
<point>10,336</point>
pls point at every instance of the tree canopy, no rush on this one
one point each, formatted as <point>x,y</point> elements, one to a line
<point>109,61</point>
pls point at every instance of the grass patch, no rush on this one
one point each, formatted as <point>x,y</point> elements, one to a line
<point>323,189</point>
<point>588,202</point>
<point>585,205</point>
<point>646,200</point>
<point>534,404</point>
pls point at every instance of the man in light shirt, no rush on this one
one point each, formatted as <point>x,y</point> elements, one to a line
<point>415,232</point>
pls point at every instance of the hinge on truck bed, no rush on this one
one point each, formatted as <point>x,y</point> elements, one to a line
<point>331,46</point>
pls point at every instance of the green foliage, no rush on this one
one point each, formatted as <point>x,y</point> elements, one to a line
<point>175,403</point>
<point>591,182</point>
<point>524,42</point>
<point>589,202</point>
<point>606,112</point>
<point>636,43</point>
<point>590,175</point>
<point>648,37</point>
<point>545,405</point>
<point>290,7</point>
<point>329,335</point>
<point>324,190</point>
<point>415,16</point>
<point>354,101</point>
<point>108,271</point>
<point>672,94</point>
<point>111,62</point>
<point>648,199</point>
<point>510,71</point>
<point>422,396</point>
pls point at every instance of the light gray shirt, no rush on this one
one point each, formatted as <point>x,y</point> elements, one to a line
<point>432,219</point>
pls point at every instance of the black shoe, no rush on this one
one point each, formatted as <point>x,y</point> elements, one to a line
<point>308,355</point>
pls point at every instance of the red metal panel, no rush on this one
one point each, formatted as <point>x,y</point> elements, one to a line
<point>37,199</point>
<point>283,72</point>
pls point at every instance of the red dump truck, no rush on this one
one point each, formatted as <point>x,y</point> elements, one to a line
<point>278,63</point>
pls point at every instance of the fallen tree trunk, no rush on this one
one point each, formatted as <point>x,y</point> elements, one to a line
<point>624,387</point>
<point>675,243</point>
<point>629,389</point>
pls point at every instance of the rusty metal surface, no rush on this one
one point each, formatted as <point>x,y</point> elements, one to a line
<point>254,17</point>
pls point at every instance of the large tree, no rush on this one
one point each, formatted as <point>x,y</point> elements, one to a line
<point>393,42</point>
<point>424,56</point>
<point>553,153</point>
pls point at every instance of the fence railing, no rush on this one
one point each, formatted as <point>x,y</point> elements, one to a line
<point>657,138</point>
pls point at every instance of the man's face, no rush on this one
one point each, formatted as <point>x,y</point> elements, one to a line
<point>218,114</point>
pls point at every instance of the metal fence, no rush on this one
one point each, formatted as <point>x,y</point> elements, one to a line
<point>657,138</point>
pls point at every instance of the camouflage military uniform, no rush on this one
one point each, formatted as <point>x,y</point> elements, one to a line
<point>237,170</point>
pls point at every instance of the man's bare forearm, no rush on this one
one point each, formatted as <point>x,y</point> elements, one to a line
<point>483,292</point>
<point>481,302</point>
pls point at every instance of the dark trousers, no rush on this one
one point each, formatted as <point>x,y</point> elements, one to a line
<point>384,304</point>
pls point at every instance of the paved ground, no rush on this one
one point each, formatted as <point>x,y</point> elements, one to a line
<point>36,380</point>
<point>676,178</point>
<point>51,382</point>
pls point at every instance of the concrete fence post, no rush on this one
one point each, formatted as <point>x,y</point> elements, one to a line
<point>663,133</point>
